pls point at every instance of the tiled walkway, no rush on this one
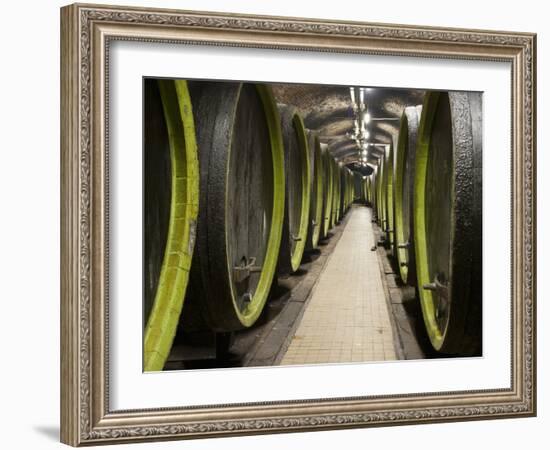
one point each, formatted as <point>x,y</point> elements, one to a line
<point>346,319</point>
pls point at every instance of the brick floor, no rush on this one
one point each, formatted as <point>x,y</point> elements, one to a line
<point>346,319</point>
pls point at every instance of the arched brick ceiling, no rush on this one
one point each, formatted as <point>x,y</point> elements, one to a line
<point>328,111</point>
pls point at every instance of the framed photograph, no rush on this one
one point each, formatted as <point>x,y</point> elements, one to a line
<point>275,224</point>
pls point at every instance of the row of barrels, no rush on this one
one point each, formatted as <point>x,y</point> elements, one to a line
<point>235,191</point>
<point>426,194</point>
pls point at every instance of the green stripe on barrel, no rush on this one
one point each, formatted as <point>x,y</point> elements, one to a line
<point>374,192</point>
<point>175,121</point>
<point>297,198</point>
<point>381,195</point>
<point>317,191</point>
<point>328,187</point>
<point>388,190</point>
<point>404,190</point>
<point>335,192</point>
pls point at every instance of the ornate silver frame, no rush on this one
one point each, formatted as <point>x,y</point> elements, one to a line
<point>86,31</point>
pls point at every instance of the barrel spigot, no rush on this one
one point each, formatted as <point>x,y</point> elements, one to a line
<point>243,271</point>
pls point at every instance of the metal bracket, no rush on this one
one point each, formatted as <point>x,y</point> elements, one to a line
<point>405,245</point>
<point>242,272</point>
<point>439,286</point>
<point>295,238</point>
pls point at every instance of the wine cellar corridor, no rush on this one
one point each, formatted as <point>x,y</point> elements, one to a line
<point>360,328</point>
<point>290,224</point>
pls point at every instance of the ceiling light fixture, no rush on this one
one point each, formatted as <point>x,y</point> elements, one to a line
<point>366,117</point>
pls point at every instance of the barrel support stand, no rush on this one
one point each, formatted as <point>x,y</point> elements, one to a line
<point>224,340</point>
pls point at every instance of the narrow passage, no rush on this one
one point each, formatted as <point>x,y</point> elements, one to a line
<point>346,319</point>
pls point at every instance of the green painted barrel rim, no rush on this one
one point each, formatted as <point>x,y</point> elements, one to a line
<point>388,196</point>
<point>335,195</point>
<point>252,311</point>
<point>402,253</point>
<point>390,225</point>
<point>380,196</point>
<point>420,239</point>
<point>296,256</point>
<point>349,192</point>
<point>328,197</point>
<point>378,181</point>
<point>174,275</point>
<point>318,213</point>
<point>351,188</point>
<point>337,189</point>
<point>373,190</point>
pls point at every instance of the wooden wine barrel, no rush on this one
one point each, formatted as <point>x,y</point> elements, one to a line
<point>297,190</point>
<point>333,198</point>
<point>339,214</point>
<point>371,188</point>
<point>327,190</point>
<point>377,190</point>
<point>344,191</point>
<point>447,220</point>
<point>380,194</point>
<point>388,197</point>
<point>171,197</point>
<point>317,191</point>
<point>351,188</point>
<point>374,197</point>
<point>335,192</point>
<point>404,190</point>
<point>242,193</point>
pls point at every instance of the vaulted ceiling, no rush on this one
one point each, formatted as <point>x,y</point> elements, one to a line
<point>328,110</point>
